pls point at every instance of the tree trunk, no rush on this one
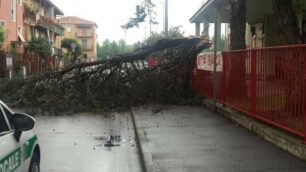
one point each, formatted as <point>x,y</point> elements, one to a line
<point>238,24</point>
<point>289,33</point>
<point>237,79</point>
<point>286,22</point>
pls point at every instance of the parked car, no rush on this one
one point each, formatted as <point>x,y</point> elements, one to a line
<point>19,149</point>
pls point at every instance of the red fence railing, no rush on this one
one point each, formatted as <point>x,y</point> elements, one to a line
<point>32,63</point>
<point>35,64</point>
<point>268,84</point>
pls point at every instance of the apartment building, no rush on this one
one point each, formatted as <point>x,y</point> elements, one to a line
<point>84,31</point>
<point>11,19</point>
<point>40,21</point>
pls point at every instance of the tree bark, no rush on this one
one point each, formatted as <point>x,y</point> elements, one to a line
<point>237,71</point>
<point>238,24</point>
<point>286,22</point>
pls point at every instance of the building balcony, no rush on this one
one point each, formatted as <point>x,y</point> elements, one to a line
<point>84,35</point>
<point>50,24</point>
<point>87,48</point>
<point>29,18</point>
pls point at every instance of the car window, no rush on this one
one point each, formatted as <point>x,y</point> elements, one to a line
<point>3,124</point>
<point>9,116</point>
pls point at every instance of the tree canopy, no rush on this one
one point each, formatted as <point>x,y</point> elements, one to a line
<point>174,32</point>
<point>73,48</point>
<point>111,49</point>
<point>40,46</point>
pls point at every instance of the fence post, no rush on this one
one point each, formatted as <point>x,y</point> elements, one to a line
<point>224,58</point>
<point>253,80</point>
<point>304,115</point>
<point>304,102</point>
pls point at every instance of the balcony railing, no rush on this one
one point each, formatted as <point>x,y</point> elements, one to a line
<point>49,23</point>
<point>84,35</point>
<point>29,18</point>
<point>87,48</point>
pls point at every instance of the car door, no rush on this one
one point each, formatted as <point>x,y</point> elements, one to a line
<point>10,150</point>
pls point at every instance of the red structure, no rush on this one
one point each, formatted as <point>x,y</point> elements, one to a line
<point>152,62</point>
<point>268,84</point>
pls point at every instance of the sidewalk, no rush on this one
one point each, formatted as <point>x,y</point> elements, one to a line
<point>181,139</point>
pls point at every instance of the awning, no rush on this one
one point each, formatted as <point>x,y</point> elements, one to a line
<point>21,37</point>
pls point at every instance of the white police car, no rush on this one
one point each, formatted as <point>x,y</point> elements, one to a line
<point>19,150</point>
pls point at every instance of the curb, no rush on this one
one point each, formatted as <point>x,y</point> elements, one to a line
<point>145,156</point>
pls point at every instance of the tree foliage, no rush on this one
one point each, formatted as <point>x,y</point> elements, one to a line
<point>112,49</point>
<point>237,41</point>
<point>142,12</point>
<point>2,35</point>
<point>39,46</point>
<point>174,32</point>
<point>286,22</point>
<point>72,53</point>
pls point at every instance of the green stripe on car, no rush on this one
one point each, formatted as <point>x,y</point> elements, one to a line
<point>13,160</point>
<point>28,147</point>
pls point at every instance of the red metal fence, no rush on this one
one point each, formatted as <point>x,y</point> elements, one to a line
<point>268,84</point>
<point>33,64</point>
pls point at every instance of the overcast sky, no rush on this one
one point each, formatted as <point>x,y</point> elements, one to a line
<point>111,14</point>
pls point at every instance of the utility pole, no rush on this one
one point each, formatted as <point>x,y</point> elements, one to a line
<point>166,19</point>
<point>125,30</point>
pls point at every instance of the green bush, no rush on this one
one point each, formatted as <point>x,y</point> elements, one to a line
<point>40,46</point>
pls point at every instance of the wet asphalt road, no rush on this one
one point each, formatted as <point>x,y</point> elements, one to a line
<point>76,143</point>
<point>178,139</point>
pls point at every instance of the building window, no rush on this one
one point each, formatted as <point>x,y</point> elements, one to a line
<point>84,44</point>
<point>19,28</point>
<point>68,28</point>
<point>19,2</point>
<point>84,31</point>
<point>2,24</point>
<point>13,10</point>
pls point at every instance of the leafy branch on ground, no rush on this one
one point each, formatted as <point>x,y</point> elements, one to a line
<point>117,83</point>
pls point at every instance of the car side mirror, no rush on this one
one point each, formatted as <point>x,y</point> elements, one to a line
<point>23,122</point>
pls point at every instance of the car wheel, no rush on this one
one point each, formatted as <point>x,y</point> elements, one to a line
<point>34,165</point>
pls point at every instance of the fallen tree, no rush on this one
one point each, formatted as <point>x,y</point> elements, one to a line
<point>116,83</point>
